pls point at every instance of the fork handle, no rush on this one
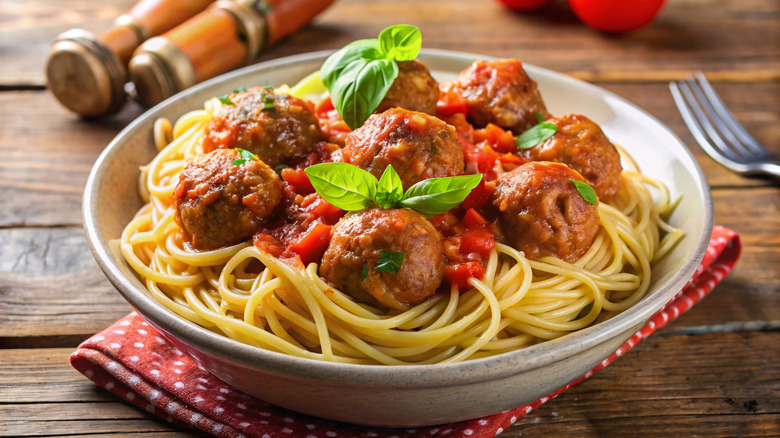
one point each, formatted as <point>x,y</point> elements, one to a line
<point>768,169</point>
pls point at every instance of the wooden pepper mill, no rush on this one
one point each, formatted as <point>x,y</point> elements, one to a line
<point>87,74</point>
<point>229,34</point>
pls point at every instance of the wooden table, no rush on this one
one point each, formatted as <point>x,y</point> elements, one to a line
<point>713,372</point>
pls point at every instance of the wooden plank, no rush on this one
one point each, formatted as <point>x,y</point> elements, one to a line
<point>666,386</point>
<point>714,385</point>
<point>45,375</point>
<point>29,28</point>
<point>42,419</point>
<point>47,154</point>
<point>553,37</point>
<point>53,292</point>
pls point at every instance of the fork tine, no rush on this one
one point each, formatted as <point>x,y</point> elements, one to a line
<point>728,117</point>
<point>712,114</point>
<point>715,144</point>
<point>694,126</point>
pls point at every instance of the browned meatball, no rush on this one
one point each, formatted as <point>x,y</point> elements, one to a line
<point>275,127</point>
<point>543,214</point>
<point>581,144</point>
<point>419,146</point>
<point>500,92</point>
<point>414,89</point>
<point>219,203</point>
<point>358,240</point>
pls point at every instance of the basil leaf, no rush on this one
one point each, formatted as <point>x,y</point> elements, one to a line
<point>586,191</point>
<point>539,116</point>
<point>245,156</point>
<point>364,274</point>
<point>226,99</point>
<point>390,189</point>
<point>401,42</point>
<point>355,51</point>
<point>346,186</point>
<point>360,88</point>
<point>537,134</point>
<point>358,75</point>
<point>389,261</point>
<point>438,195</point>
<point>239,90</point>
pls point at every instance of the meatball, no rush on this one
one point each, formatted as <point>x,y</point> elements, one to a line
<point>219,203</point>
<point>542,214</point>
<point>419,146</point>
<point>275,127</point>
<point>581,144</point>
<point>414,89</point>
<point>500,92</point>
<point>357,243</point>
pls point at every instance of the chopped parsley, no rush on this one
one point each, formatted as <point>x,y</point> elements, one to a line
<point>245,156</point>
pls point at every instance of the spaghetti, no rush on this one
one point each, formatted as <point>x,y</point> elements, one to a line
<point>255,298</point>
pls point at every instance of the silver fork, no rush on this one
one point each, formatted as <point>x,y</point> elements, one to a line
<point>717,131</point>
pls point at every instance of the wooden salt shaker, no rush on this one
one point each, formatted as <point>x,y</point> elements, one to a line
<point>227,35</point>
<point>87,74</point>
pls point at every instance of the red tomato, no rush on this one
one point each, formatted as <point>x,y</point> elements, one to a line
<point>524,5</point>
<point>616,16</point>
<point>298,179</point>
<point>311,246</point>
<point>459,275</point>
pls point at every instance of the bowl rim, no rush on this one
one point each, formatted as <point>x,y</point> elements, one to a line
<point>417,376</point>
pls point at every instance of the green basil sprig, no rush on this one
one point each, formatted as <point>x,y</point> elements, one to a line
<point>536,134</point>
<point>359,74</point>
<point>586,191</point>
<point>351,188</point>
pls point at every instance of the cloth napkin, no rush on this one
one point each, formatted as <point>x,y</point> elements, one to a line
<point>132,360</point>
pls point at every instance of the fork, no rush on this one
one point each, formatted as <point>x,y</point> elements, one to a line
<point>717,131</point>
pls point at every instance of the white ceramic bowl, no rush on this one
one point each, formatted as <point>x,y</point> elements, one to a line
<point>404,395</point>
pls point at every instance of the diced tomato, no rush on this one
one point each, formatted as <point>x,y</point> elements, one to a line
<point>298,179</point>
<point>510,158</point>
<point>483,157</point>
<point>473,219</point>
<point>268,243</point>
<point>324,107</point>
<point>333,126</point>
<point>496,137</point>
<point>325,211</point>
<point>480,241</point>
<point>450,103</point>
<point>312,245</point>
<point>459,275</point>
<point>479,196</point>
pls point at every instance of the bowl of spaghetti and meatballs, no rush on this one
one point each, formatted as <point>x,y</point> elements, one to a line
<point>248,198</point>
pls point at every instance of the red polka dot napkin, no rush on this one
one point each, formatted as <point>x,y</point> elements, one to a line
<point>131,360</point>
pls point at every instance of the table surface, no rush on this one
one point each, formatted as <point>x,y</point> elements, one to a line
<point>713,372</point>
